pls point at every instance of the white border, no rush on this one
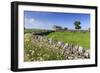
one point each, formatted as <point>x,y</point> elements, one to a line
<point>22,64</point>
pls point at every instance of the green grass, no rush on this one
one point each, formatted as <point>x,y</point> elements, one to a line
<point>42,51</point>
<point>32,30</point>
<point>80,38</point>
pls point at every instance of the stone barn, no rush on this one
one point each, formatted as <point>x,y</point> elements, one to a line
<point>56,28</point>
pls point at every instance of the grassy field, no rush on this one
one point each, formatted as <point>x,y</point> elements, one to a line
<point>80,38</point>
<point>32,30</point>
<point>42,51</point>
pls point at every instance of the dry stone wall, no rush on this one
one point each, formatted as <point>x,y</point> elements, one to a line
<point>70,51</point>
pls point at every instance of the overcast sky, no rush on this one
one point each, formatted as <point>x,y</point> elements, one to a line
<point>45,20</point>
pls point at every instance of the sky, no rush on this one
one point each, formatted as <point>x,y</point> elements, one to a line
<point>46,20</point>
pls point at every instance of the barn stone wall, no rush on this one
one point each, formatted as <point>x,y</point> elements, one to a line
<point>69,51</point>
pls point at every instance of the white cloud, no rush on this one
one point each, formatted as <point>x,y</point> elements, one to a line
<point>33,23</point>
<point>29,21</point>
<point>37,24</point>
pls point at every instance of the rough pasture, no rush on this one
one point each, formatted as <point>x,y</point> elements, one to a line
<point>80,38</point>
<point>42,48</point>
